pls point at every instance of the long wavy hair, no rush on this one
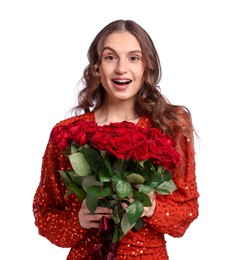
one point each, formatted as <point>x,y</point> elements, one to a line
<point>173,119</point>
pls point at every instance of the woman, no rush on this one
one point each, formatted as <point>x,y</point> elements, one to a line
<point>121,84</point>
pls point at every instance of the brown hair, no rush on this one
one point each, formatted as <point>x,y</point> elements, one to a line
<point>169,118</point>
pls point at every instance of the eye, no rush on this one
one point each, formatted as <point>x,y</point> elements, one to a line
<point>135,58</point>
<point>109,57</point>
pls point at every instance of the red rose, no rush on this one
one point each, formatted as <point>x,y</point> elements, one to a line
<point>155,152</point>
<point>81,130</point>
<point>78,135</point>
<point>156,134</point>
<point>60,137</point>
<point>105,129</point>
<point>162,153</point>
<point>122,128</point>
<point>91,128</point>
<point>80,138</point>
<point>121,147</point>
<point>100,140</point>
<point>140,151</point>
<point>170,160</point>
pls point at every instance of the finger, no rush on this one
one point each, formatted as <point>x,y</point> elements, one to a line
<point>152,195</point>
<point>124,205</point>
<point>103,210</point>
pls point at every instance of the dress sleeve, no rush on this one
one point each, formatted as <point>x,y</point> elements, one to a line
<point>56,216</point>
<point>175,212</point>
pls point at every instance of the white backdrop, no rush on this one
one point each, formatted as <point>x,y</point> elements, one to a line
<point>43,50</point>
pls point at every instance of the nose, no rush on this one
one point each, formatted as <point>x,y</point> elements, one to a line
<point>121,67</point>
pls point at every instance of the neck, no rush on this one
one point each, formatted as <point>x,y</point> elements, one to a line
<point>116,112</point>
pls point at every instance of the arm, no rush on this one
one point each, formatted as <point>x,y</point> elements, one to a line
<point>55,216</point>
<point>175,212</point>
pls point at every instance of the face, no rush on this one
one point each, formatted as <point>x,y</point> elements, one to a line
<point>122,66</point>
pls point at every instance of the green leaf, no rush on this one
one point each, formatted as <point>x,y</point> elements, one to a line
<point>76,178</point>
<point>135,178</point>
<point>163,192</point>
<point>104,192</point>
<point>123,188</point>
<point>108,165</point>
<point>91,201</point>
<point>119,167</point>
<point>65,177</point>
<point>148,165</point>
<point>125,224</point>
<point>104,175</point>
<point>74,148</point>
<point>78,191</point>
<point>71,186</point>
<point>115,179</point>
<point>139,224</point>
<point>157,177</point>
<point>166,188</point>
<point>116,219</point>
<point>93,193</point>
<point>152,183</point>
<point>134,211</point>
<point>79,164</point>
<point>142,197</point>
<point>93,158</point>
<point>89,181</point>
<point>91,154</point>
<point>145,188</point>
<point>118,234</point>
<point>166,175</point>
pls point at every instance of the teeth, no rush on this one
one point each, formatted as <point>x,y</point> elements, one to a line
<point>122,81</point>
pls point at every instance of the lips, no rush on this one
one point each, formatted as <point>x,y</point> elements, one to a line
<point>121,83</point>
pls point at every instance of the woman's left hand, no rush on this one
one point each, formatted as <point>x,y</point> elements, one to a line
<point>149,211</point>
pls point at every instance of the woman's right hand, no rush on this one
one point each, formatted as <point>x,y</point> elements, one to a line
<point>87,220</point>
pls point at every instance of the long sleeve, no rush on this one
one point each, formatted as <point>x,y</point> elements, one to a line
<point>55,216</point>
<point>175,212</point>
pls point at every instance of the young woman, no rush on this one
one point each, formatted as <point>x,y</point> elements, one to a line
<point>121,84</point>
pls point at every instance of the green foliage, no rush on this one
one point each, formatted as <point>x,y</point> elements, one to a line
<point>110,182</point>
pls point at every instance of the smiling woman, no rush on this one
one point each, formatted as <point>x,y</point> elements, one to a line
<point>120,94</point>
<point>121,66</point>
<point>121,71</point>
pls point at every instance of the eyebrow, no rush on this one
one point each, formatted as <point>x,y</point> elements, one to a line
<point>109,48</point>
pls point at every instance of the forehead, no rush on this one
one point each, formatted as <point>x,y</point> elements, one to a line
<point>121,40</point>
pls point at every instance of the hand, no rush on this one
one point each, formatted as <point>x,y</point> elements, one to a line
<point>87,220</point>
<point>149,211</point>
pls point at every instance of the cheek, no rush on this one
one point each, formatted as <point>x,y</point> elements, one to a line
<point>139,73</point>
<point>103,75</point>
<point>101,71</point>
<point>140,79</point>
<point>105,68</point>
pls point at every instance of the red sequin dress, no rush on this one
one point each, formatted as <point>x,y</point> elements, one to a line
<point>57,217</point>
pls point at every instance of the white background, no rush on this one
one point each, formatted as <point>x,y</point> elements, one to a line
<point>43,46</point>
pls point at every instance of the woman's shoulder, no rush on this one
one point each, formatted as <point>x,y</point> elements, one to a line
<point>88,117</point>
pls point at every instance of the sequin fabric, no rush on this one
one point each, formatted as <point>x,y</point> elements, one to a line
<point>56,216</point>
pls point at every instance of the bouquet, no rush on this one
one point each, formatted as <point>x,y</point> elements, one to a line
<point>115,164</point>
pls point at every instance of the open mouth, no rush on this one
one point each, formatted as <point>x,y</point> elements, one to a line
<point>121,82</point>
